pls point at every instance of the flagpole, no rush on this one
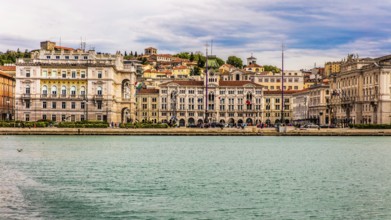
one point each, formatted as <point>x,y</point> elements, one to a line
<point>282,83</point>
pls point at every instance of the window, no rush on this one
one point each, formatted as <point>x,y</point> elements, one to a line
<point>27,73</point>
<point>267,100</point>
<point>57,57</point>
<point>277,107</point>
<point>54,118</point>
<point>73,105</point>
<point>27,117</point>
<point>154,99</point>
<point>54,105</point>
<point>100,74</point>
<point>63,105</point>
<point>144,99</point>
<point>83,74</point>
<point>64,74</point>
<point>277,100</point>
<point>99,90</point>
<point>44,73</point>
<point>27,104</point>
<point>76,57</point>
<point>54,90</point>
<point>63,91</point>
<point>85,57</point>
<point>67,57</point>
<point>54,73</point>
<point>44,117</point>
<point>47,57</point>
<point>82,118</point>
<point>82,105</point>
<point>99,105</point>
<point>63,117</point>
<point>82,90</point>
<point>44,104</point>
<point>99,117</point>
<point>73,91</point>
<point>73,74</point>
<point>44,90</point>
<point>191,91</point>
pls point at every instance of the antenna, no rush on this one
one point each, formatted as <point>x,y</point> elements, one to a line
<point>282,82</point>
<point>206,84</point>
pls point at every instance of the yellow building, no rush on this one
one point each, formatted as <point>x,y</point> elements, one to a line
<point>332,68</point>
<point>147,105</point>
<point>7,94</point>
<point>156,74</point>
<point>181,72</point>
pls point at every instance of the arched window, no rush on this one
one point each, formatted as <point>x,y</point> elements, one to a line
<point>27,89</point>
<point>63,90</point>
<point>211,97</point>
<point>44,90</point>
<point>99,90</point>
<point>54,90</point>
<point>82,90</point>
<point>73,90</point>
<point>249,96</point>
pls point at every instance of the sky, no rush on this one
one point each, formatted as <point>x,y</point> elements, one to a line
<point>313,31</point>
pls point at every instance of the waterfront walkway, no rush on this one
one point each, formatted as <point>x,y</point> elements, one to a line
<point>248,131</point>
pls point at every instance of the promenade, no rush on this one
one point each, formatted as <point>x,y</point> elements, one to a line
<point>248,131</point>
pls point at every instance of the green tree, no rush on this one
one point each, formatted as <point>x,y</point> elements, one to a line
<point>191,58</point>
<point>135,53</point>
<point>271,68</point>
<point>126,54</point>
<point>196,71</point>
<point>183,55</point>
<point>235,61</point>
<point>220,61</point>
<point>201,61</point>
<point>131,53</point>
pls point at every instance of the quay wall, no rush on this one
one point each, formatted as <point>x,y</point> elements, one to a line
<point>249,131</point>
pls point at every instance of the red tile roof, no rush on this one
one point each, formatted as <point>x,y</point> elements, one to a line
<point>266,92</point>
<point>8,68</point>
<point>237,83</point>
<point>148,91</point>
<point>6,75</point>
<point>253,65</point>
<point>185,83</point>
<point>180,68</point>
<point>64,48</point>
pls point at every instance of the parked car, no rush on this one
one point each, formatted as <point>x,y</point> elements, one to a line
<point>309,126</point>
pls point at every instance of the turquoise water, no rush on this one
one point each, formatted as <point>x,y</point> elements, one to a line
<point>111,177</point>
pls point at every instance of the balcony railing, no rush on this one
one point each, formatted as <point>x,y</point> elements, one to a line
<point>98,97</point>
<point>26,96</point>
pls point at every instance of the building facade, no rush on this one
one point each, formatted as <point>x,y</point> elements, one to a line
<point>74,85</point>
<point>147,105</point>
<point>7,94</point>
<point>361,92</point>
<point>195,102</point>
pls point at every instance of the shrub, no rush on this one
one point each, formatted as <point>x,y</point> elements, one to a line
<point>372,126</point>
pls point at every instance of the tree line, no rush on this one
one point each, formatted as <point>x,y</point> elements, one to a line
<point>10,56</point>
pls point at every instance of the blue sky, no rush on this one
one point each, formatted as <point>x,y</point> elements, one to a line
<point>313,31</point>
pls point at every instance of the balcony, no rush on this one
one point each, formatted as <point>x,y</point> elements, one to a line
<point>26,96</point>
<point>98,97</point>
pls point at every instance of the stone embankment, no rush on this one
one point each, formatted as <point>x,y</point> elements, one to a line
<point>248,131</point>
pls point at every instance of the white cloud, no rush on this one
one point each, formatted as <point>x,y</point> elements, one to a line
<point>313,31</point>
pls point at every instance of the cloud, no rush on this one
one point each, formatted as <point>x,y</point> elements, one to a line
<point>314,31</point>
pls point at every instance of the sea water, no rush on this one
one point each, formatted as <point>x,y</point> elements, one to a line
<point>168,177</point>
